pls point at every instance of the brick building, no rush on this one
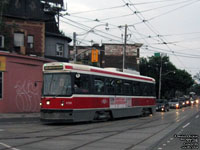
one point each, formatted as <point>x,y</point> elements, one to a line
<point>26,25</point>
<point>110,55</point>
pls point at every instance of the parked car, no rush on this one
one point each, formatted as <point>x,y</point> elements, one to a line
<point>175,103</point>
<point>162,105</point>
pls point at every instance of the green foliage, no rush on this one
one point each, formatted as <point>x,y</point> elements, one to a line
<point>173,80</point>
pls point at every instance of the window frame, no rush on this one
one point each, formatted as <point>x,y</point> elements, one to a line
<point>29,43</point>
<point>21,43</point>
<point>59,53</point>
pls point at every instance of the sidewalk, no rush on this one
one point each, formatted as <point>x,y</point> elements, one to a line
<point>10,117</point>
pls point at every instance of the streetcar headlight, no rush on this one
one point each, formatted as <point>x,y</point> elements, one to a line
<point>48,102</point>
<point>40,103</point>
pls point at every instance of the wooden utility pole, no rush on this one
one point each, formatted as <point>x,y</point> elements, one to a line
<point>124,49</point>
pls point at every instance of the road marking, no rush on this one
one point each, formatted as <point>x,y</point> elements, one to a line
<point>186,125</point>
<point>159,148</point>
<point>197,116</point>
<point>164,144</point>
<point>168,141</point>
<point>171,139</point>
<point>1,130</point>
<point>8,146</point>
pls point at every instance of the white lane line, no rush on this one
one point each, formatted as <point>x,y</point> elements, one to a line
<point>186,125</point>
<point>1,130</point>
<point>168,141</point>
<point>159,148</point>
<point>197,116</point>
<point>164,144</point>
<point>171,139</point>
<point>8,146</point>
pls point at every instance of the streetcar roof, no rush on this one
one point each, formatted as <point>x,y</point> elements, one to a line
<point>59,66</point>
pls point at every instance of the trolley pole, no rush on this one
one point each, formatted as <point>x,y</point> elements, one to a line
<point>75,48</point>
<point>124,49</point>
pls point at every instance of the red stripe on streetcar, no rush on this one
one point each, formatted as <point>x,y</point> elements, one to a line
<point>118,74</point>
<point>90,103</point>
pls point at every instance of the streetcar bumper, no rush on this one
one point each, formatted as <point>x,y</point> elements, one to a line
<point>51,115</point>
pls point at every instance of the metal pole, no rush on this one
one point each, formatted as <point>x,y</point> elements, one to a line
<point>160,80</point>
<point>75,49</point>
<point>124,49</point>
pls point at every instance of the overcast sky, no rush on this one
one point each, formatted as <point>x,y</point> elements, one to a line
<point>167,26</point>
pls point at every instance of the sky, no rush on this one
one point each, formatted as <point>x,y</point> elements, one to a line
<point>171,27</point>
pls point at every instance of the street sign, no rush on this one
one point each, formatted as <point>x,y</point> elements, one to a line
<point>94,55</point>
<point>157,54</point>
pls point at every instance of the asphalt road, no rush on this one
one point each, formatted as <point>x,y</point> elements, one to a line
<point>160,131</point>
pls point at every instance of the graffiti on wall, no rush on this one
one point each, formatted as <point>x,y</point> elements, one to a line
<point>27,96</point>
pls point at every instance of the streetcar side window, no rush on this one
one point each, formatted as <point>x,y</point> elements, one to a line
<point>152,89</point>
<point>127,88</point>
<point>98,85</point>
<point>136,88</point>
<point>81,83</point>
<point>110,86</point>
<point>144,89</point>
<point>119,87</point>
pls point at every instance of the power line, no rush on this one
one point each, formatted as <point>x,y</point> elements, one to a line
<point>173,10</point>
<point>108,8</point>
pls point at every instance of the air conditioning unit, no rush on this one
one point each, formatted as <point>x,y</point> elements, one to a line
<point>1,41</point>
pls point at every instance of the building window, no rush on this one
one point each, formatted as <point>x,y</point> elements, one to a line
<point>30,41</point>
<point>18,39</point>
<point>59,49</point>
<point>1,85</point>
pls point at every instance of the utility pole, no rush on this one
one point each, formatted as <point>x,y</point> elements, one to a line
<point>124,49</point>
<point>160,79</point>
<point>75,49</point>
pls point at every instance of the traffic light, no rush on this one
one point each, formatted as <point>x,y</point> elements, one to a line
<point>94,55</point>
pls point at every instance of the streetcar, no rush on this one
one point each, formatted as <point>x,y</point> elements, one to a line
<point>77,93</point>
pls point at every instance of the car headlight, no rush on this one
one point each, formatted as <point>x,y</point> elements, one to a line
<point>197,101</point>
<point>177,105</point>
<point>192,102</point>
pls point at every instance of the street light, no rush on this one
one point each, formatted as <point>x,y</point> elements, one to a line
<point>75,35</point>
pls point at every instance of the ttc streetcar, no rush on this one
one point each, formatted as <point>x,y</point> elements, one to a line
<point>76,93</point>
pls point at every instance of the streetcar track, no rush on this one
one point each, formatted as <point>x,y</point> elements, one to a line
<point>71,133</point>
<point>81,132</point>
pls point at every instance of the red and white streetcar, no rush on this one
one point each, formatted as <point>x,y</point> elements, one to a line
<point>74,93</point>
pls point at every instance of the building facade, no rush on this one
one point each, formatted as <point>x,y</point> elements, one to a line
<point>110,55</point>
<point>20,82</point>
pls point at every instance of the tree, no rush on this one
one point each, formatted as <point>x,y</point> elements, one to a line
<point>173,80</point>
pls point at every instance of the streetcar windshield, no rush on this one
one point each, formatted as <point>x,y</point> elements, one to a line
<point>57,84</point>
